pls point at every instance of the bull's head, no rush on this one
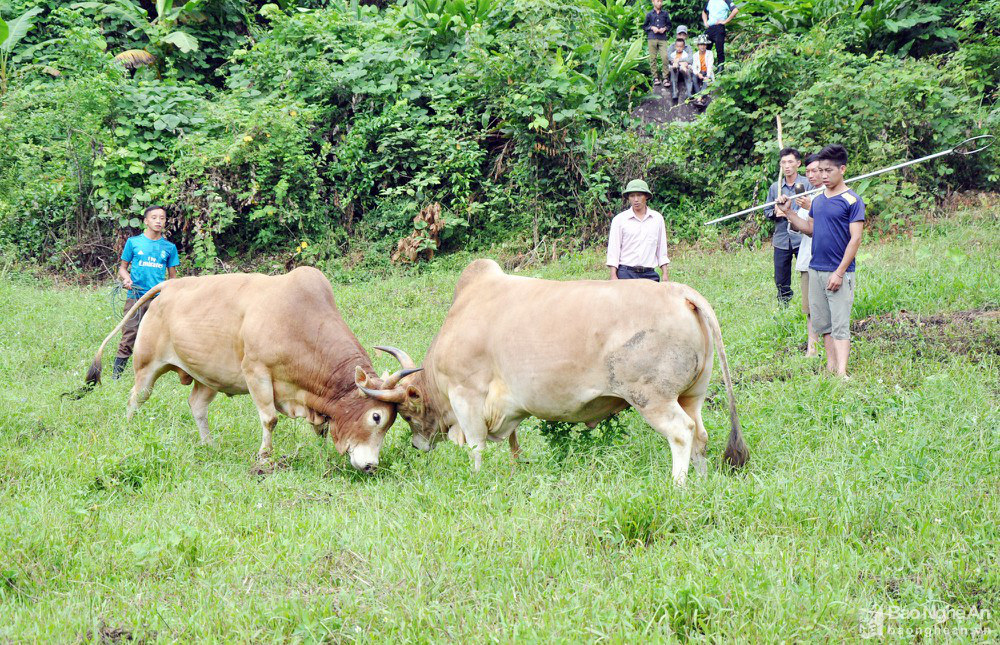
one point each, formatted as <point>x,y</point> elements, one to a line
<point>410,400</point>
<point>363,421</point>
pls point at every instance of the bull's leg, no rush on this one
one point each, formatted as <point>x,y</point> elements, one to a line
<point>670,420</point>
<point>515,447</point>
<point>146,374</point>
<point>262,392</point>
<point>692,407</point>
<point>470,417</point>
<point>201,396</point>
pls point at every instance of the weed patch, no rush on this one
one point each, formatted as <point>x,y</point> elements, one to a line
<point>133,472</point>
<point>974,332</point>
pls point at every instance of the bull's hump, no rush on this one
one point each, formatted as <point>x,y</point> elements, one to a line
<point>475,271</point>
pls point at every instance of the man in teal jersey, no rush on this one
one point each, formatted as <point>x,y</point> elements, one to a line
<point>147,260</point>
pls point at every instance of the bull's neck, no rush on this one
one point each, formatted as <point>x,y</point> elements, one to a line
<point>435,396</point>
<point>336,383</point>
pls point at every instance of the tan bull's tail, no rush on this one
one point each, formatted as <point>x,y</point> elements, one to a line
<point>736,449</point>
<point>94,373</point>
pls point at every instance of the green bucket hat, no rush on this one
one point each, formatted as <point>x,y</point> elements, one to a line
<point>637,186</point>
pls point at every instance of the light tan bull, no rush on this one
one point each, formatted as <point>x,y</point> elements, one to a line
<point>513,347</point>
<point>279,339</point>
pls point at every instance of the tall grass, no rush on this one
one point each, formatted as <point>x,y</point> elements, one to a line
<point>876,494</point>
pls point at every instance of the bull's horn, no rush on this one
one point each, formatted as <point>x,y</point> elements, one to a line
<point>398,376</point>
<point>400,356</point>
<point>395,395</point>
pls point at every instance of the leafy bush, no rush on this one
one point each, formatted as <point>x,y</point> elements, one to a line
<point>265,124</point>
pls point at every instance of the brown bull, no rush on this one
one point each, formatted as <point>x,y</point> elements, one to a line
<point>279,339</point>
<point>513,347</point>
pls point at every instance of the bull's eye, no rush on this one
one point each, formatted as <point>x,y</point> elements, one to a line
<point>376,417</point>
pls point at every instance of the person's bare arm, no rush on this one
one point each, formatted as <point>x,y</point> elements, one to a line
<point>732,15</point>
<point>171,273</point>
<point>704,18</point>
<point>124,275</point>
<point>837,277</point>
<point>785,208</point>
<point>614,273</point>
<point>665,270</point>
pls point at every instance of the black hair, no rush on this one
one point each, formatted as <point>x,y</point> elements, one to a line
<point>790,151</point>
<point>151,208</point>
<point>811,158</point>
<point>679,40</point>
<point>835,153</point>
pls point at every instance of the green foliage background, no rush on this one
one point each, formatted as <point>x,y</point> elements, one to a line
<point>336,122</point>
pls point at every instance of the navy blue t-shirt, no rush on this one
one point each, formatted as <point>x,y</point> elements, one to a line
<point>149,261</point>
<point>832,218</point>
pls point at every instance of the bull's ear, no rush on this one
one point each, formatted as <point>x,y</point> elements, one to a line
<point>360,378</point>
<point>412,393</point>
<point>385,375</point>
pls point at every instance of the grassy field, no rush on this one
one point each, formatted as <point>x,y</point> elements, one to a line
<point>868,504</point>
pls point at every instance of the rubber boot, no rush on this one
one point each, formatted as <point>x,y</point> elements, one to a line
<point>118,368</point>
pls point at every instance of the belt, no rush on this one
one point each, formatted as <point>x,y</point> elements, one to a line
<point>638,269</point>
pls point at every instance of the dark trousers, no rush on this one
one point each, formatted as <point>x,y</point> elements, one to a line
<point>717,35</point>
<point>626,273</point>
<point>130,329</point>
<point>678,76</point>
<point>697,84</point>
<point>784,260</point>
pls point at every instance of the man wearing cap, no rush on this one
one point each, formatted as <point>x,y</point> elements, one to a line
<point>682,34</point>
<point>637,243</point>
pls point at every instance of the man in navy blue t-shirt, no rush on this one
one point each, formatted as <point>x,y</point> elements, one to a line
<point>147,260</point>
<point>838,217</point>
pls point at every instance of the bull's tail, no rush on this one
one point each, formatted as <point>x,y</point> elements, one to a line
<point>94,373</point>
<point>736,449</point>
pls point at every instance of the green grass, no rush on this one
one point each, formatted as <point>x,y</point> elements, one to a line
<point>882,492</point>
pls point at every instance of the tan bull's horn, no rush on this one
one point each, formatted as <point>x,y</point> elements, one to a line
<point>396,395</point>
<point>400,356</point>
<point>398,376</point>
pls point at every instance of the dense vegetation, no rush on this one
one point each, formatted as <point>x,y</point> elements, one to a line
<point>335,122</point>
<point>876,494</point>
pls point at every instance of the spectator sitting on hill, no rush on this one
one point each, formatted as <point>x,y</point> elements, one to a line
<point>680,69</point>
<point>703,66</point>
<point>682,33</point>
<point>656,25</point>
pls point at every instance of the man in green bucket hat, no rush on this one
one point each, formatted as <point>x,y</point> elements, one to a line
<point>637,243</point>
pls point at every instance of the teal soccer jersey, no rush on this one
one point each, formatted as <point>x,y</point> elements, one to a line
<point>149,261</point>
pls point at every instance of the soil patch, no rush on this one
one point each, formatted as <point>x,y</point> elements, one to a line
<point>659,108</point>
<point>971,332</point>
<point>267,467</point>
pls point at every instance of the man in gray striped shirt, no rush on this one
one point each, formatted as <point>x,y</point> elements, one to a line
<point>786,240</point>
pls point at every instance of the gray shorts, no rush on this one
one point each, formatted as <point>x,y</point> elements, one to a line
<point>831,310</point>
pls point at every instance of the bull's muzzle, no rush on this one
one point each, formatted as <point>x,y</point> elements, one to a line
<point>364,459</point>
<point>422,443</point>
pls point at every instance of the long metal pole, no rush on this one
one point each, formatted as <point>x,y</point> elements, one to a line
<point>956,150</point>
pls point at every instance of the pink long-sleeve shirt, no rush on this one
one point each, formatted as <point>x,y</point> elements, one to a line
<point>635,242</point>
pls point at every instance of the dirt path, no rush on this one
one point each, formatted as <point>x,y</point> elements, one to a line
<point>659,108</point>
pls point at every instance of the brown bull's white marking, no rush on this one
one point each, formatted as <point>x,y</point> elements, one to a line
<point>513,347</point>
<point>280,339</point>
